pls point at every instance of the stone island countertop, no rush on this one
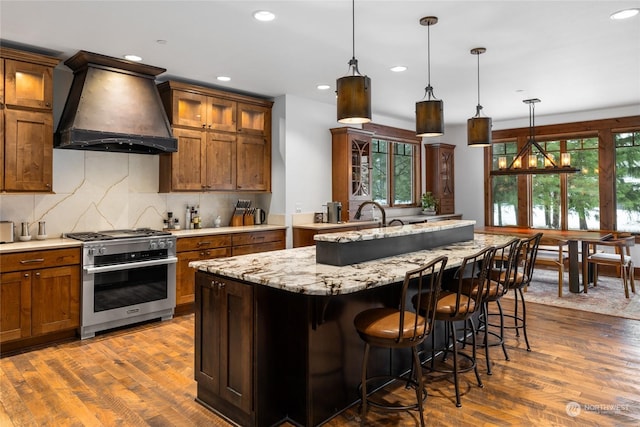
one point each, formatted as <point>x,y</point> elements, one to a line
<point>296,270</point>
<point>387,232</point>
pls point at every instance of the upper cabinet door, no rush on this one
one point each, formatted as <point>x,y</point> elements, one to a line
<point>189,109</point>
<point>28,85</point>
<point>221,114</point>
<point>28,150</point>
<point>253,119</point>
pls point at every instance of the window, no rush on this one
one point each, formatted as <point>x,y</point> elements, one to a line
<point>603,195</point>
<point>583,191</point>
<point>504,188</point>
<point>628,181</point>
<point>394,172</point>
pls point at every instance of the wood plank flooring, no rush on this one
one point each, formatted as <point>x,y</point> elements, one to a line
<point>143,376</point>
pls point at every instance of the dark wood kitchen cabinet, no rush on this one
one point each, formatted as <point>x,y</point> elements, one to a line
<point>439,160</point>
<point>195,249</point>
<point>26,126</point>
<point>39,295</point>
<point>224,140</point>
<point>224,347</point>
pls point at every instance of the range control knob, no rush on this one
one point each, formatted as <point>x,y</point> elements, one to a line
<point>90,251</point>
<point>162,244</point>
<point>153,245</point>
<point>102,250</point>
<point>169,244</point>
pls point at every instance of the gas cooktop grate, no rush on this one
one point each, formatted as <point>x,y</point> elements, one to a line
<point>90,236</point>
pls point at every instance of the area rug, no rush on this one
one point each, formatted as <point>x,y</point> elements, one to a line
<point>606,298</point>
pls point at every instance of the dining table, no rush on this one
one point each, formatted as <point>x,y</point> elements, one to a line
<point>572,237</point>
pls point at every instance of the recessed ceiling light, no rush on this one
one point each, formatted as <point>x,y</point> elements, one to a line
<point>223,78</point>
<point>323,87</point>
<point>161,41</point>
<point>398,68</point>
<point>135,58</point>
<point>624,14</point>
<point>264,15</point>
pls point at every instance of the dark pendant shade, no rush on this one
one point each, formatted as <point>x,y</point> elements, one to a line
<point>479,132</point>
<point>354,99</point>
<point>429,118</point>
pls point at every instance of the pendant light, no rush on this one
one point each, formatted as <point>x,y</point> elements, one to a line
<point>354,89</point>
<point>526,161</point>
<point>429,117</point>
<point>478,128</point>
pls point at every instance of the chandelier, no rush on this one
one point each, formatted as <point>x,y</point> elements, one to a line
<point>527,162</point>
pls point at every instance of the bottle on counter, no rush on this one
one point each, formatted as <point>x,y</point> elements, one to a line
<point>217,222</point>
<point>195,217</point>
<point>187,219</point>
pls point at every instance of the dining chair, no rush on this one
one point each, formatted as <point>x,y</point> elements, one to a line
<point>599,252</point>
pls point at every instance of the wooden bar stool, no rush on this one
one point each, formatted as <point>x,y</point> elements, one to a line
<point>397,327</point>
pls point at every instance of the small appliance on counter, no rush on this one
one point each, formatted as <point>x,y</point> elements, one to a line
<point>7,232</point>
<point>334,212</point>
<point>259,216</point>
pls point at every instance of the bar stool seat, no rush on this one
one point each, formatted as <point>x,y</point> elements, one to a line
<point>389,327</point>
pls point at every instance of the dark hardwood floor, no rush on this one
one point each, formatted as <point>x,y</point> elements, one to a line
<point>143,376</point>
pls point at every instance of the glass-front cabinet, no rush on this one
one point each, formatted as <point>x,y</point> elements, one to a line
<point>351,176</point>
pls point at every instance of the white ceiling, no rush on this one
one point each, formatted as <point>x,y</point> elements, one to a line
<point>567,53</point>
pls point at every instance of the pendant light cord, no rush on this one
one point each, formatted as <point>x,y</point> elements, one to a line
<point>479,107</point>
<point>353,28</point>
<point>429,55</point>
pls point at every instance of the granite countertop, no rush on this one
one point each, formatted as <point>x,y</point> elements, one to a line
<point>58,243</point>
<point>330,225</point>
<point>296,270</point>
<point>394,231</point>
<point>225,230</point>
<point>39,245</point>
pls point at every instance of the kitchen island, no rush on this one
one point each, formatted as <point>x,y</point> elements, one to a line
<point>274,331</point>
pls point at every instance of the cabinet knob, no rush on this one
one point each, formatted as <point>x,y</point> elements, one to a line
<point>37,274</point>
<point>221,285</point>
<point>204,126</point>
<point>26,274</point>
<point>47,104</point>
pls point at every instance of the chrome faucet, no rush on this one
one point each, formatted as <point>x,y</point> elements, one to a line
<point>371,202</point>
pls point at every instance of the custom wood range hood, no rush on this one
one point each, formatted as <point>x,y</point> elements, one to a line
<point>114,105</point>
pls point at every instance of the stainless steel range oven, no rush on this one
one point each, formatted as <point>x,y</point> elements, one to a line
<point>128,276</point>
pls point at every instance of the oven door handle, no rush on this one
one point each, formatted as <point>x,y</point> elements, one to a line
<point>130,265</point>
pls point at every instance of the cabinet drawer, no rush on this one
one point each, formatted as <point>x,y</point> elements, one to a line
<point>203,242</point>
<point>255,248</point>
<point>447,206</point>
<point>39,259</point>
<point>257,237</point>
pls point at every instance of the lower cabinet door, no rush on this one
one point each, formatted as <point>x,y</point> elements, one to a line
<point>236,348</point>
<point>224,343</point>
<point>55,299</point>
<point>15,305</point>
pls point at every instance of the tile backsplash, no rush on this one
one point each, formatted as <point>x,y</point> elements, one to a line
<point>105,191</point>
